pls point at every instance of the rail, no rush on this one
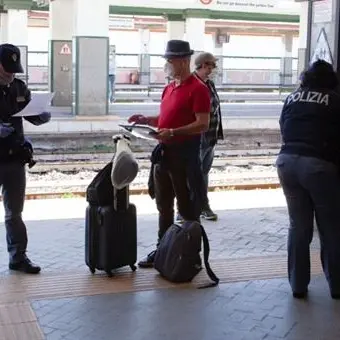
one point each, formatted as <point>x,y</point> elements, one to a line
<point>224,96</point>
<point>82,162</point>
<point>152,87</point>
<point>75,186</point>
<point>145,191</point>
<point>256,110</point>
<point>234,71</point>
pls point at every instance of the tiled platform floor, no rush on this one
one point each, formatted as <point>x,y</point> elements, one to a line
<point>248,243</point>
<point>251,310</point>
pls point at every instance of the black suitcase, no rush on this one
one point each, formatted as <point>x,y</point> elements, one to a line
<point>111,234</point>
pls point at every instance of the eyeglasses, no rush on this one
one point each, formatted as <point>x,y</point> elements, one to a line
<point>211,64</point>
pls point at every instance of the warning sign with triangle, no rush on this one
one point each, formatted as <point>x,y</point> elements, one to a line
<point>322,50</point>
<point>65,50</point>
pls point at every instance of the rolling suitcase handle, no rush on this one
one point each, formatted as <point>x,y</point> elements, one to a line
<point>121,199</point>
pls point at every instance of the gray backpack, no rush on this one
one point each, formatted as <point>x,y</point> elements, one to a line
<point>178,255</point>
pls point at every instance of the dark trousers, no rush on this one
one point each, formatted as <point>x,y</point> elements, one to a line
<point>13,182</point>
<point>311,186</point>
<point>171,179</point>
<point>207,158</point>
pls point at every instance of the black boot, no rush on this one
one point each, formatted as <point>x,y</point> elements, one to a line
<point>148,261</point>
<point>25,266</point>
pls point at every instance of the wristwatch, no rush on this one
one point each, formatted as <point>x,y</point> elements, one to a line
<point>171,132</point>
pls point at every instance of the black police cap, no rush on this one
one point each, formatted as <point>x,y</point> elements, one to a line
<point>10,58</point>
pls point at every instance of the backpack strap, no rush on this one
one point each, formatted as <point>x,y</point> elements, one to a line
<point>206,251</point>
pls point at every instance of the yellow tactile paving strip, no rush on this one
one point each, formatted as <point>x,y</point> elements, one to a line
<point>18,322</point>
<point>70,284</point>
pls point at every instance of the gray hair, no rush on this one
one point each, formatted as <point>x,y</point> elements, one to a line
<point>204,57</point>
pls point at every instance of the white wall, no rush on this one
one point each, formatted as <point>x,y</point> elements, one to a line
<point>255,46</point>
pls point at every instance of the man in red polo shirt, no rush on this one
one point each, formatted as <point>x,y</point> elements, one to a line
<point>184,116</point>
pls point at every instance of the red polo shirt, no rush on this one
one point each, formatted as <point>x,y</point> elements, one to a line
<point>181,102</point>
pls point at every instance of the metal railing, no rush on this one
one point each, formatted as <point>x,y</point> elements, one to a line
<point>234,71</point>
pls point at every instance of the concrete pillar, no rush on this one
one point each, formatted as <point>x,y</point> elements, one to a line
<point>60,51</point>
<point>175,29</point>
<point>3,28</point>
<point>195,33</point>
<point>218,53</point>
<point>303,36</point>
<point>17,33</point>
<point>286,70</point>
<point>14,31</point>
<point>91,58</point>
<point>144,61</point>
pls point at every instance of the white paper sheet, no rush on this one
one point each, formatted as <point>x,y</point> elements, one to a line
<point>38,104</point>
<point>141,131</point>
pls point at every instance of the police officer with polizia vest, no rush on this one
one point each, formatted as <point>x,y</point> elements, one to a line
<point>308,169</point>
<point>15,152</point>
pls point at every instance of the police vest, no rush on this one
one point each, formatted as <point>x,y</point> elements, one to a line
<point>308,97</point>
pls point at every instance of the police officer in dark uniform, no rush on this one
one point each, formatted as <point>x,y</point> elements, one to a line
<point>15,152</point>
<point>308,168</point>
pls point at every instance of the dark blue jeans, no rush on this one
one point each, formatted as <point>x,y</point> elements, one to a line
<point>311,186</point>
<point>13,182</point>
<point>207,158</point>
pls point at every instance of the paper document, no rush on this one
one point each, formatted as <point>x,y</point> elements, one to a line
<point>39,103</point>
<point>141,131</point>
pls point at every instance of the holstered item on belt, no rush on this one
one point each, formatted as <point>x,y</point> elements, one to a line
<point>156,157</point>
<point>22,153</point>
<point>25,154</point>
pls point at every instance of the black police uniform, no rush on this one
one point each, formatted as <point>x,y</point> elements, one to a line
<point>308,168</point>
<point>14,154</point>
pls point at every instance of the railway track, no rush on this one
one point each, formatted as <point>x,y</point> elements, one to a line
<point>94,162</point>
<point>144,191</point>
<point>221,180</point>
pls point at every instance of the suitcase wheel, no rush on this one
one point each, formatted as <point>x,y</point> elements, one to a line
<point>92,270</point>
<point>109,273</point>
<point>133,267</point>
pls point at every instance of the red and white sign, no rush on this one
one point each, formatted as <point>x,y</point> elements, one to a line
<point>206,2</point>
<point>65,50</point>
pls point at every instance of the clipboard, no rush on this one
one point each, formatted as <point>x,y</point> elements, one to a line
<point>141,131</point>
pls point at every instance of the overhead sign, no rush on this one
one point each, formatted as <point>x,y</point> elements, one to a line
<point>121,23</point>
<point>65,50</point>
<point>251,6</point>
<point>322,50</point>
<point>242,4</point>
